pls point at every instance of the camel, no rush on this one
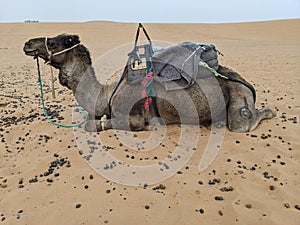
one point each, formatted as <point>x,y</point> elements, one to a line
<point>212,100</point>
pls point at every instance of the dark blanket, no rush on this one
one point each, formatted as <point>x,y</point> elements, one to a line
<point>177,67</point>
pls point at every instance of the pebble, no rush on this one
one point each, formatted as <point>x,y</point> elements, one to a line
<point>147,207</point>
<point>78,205</point>
<point>248,206</point>
<point>272,188</point>
<point>201,211</point>
<point>162,187</point>
<point>297,207</point>
<point>220,212</point>
<point>3,185</point>
<point>287,205</point>
<point>226,189</point>
<point>219,198</point>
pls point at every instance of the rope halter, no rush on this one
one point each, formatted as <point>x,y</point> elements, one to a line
<point>50,54</point>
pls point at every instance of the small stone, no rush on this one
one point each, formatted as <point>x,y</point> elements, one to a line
<point>272,188</point>
<point>219,198</point>
<point>55,155</point>
<point>226,189</point>
<point>201,211</point>
<point>3,185</point>
<point>86,186</point>
<point>147,207</point>
<point>287,205</point>
<point>20,211</point>
<point>91,177</point>
<point>162,187</point>
<point>220,212</point>
<point>248,206</point>
<point>49,180</point>
<point>78,205</point>
<point>107,191</point>
<point>297,207</point>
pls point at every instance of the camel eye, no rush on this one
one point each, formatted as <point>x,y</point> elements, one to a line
<point>246,113</point>
<point>51,45</point>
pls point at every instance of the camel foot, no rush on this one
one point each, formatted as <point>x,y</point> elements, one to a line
<point>267,113</point>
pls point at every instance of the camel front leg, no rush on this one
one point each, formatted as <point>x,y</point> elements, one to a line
<point>135,123</point>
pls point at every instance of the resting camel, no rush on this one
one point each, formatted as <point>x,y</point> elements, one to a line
<point>210,100</point>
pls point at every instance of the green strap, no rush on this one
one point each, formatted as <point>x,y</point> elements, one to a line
<point>45,111</point>
<point>212,70</point>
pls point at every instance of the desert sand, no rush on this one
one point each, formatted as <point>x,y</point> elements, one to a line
<point>255,178</point>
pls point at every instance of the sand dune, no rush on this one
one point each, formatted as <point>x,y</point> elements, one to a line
<point>253,180</point>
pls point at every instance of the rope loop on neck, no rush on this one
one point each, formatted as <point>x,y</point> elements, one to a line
<point>80,110</point>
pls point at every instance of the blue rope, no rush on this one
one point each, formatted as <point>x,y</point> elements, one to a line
<point>44,108</point>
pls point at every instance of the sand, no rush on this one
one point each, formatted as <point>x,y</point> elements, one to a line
<point>253,180</point>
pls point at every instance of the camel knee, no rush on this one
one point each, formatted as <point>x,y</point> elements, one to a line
<point>137,123</point>
<point>92,126</point>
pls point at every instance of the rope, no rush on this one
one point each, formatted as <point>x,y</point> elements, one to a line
<point>212,70</point>
<point>50,54</point>
<point>44,108</point>
<point>230,79</point>
<point>52,82</point>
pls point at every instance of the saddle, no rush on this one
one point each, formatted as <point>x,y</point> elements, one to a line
<point>175,67</point>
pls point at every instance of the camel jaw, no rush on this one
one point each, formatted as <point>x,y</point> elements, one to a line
<point>31,52</point>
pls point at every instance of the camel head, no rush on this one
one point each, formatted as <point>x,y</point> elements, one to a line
<point>51,49</point>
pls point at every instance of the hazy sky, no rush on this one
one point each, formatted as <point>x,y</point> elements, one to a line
<point>148,11</point>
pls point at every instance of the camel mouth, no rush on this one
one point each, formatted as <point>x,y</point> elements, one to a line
<point>31,52</point>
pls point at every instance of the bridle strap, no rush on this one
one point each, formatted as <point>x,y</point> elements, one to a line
<point>50,54</point>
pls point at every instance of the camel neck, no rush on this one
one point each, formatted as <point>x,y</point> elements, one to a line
<point>80,78</point>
